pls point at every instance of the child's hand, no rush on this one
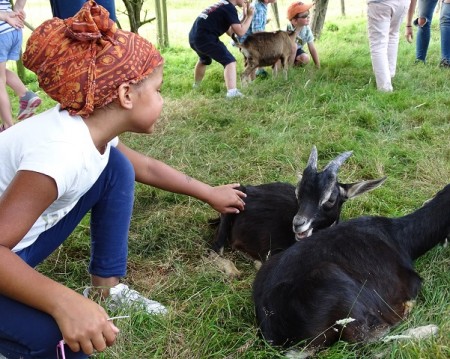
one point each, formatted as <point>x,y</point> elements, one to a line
<point>227,199</point>
<point>84,325</point>
<point>14,19</point>
<point>250,9</point>
<point>20,14</point>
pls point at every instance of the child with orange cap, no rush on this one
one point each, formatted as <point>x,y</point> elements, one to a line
<point>298,15</point>
<point>67,161</point>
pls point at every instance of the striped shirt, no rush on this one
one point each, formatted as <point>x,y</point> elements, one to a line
<point>5,5</point>
<point>259,20</point>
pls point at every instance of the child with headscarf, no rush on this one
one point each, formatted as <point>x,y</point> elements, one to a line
<point>68,160</point>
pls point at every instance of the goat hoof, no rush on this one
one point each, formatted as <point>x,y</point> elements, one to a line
<point>225,265</point>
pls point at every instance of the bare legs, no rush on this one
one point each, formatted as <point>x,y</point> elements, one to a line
<point>5,105</point>
<point>229,74</point>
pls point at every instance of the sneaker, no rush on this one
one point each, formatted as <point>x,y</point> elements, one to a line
<point>262,73</point>
<point>234,93</point>
<point>121,295</point>
<point>28,104</point>
<point>444,63</point>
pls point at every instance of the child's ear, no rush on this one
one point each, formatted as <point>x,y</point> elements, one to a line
<point>125,97</point>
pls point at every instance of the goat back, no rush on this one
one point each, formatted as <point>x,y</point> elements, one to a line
<point>265,226</point>
<point>343,272</point>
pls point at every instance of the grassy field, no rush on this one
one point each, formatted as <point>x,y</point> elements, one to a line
<point>265,137</point>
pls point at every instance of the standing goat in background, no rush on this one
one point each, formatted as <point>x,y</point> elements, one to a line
<point>277,214</point>
<point>350,282</point>
<point>266,49</point>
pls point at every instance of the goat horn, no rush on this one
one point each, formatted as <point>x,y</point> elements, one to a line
<point>312,162</point>
<point>334,165</point>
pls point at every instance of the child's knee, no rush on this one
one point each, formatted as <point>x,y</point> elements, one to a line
<point>302,60</point>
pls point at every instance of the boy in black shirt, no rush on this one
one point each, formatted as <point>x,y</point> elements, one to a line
<point>212,23</point>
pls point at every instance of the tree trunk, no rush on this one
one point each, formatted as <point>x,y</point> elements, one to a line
<point>343,8</point>
<point>318,19</point>
<point>276,14</point>
<point>133,11</point>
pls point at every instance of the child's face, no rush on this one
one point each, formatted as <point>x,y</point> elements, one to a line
<point>241,3</point>
<point>148,102</point>
<point>301,19</point>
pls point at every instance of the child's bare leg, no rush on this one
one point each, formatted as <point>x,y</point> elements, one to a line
<point>5,105</point>
<point>199,72</point>
<point>14,81</point>
<point>302,59</point>
<point>229,73</point>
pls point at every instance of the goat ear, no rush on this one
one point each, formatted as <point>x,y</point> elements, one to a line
<point>355,189</point>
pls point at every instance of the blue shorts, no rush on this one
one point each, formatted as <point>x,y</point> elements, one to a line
<point>208,49</point>
<point>10,45</point>
<point>299,52</point>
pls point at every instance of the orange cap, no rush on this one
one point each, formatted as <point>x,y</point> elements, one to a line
<point>297,8</point>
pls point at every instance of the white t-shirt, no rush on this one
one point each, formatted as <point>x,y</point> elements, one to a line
<point>59,146</point>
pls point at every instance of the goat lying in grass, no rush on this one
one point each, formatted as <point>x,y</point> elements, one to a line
<point>278,214</point>
<point>350,282</point>
<point>266,49</point>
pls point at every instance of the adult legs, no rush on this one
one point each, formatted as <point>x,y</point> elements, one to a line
<point>64,9</point>
<point>425,11</point>
<point>378,24</point>
<point>398,14</point>
<point>445,33</point>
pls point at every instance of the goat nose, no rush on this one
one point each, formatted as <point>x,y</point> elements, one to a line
<point>299,221</point>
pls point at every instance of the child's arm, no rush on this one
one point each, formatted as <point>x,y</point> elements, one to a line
<point>224,199</point>
<point>19,5</point>
<point>241,28</point>
<point>314,54</point>
<point>12,18</point>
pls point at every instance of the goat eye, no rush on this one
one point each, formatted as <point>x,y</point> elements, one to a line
<point>331,202</point>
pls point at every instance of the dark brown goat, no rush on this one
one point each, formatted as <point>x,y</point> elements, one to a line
<point>266,49</point>
<point>350,282</point>
<point>278,214</point>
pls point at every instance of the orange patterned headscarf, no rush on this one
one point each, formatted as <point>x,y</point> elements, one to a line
<point>80,62</point>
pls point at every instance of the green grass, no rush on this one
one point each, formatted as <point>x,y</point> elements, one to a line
<point>267,136</point>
